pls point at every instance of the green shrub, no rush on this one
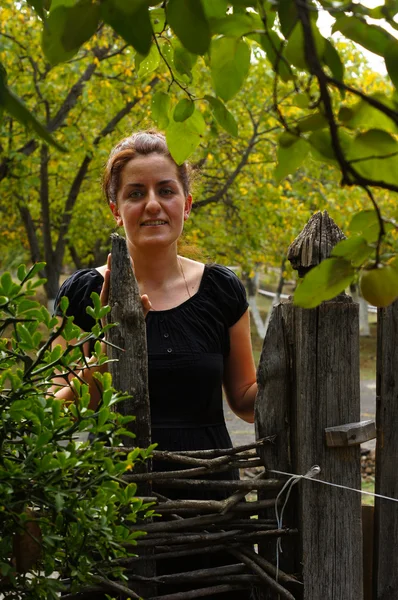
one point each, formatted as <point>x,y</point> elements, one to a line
<point>65,510</point>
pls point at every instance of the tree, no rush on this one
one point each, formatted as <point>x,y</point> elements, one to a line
<point>45,191</point>
<point>356,137</point>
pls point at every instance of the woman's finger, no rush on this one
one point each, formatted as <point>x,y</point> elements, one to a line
<point>146,304</point>
<point>104,296</point>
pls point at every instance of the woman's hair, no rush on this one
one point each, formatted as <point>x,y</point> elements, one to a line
<point>141,143</point>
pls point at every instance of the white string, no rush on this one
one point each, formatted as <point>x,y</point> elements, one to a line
<point>315,470</point>
<point>293,479</point>
<point>311,475</point>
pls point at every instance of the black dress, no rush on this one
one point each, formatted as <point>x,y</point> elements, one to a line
<point>187,347</point>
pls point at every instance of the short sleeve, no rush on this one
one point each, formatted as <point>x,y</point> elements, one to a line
<point>78,288</point>
<point>230,293</point>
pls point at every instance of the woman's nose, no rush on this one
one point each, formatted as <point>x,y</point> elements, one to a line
<point>152,202</point>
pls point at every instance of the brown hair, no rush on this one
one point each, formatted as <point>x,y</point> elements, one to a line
<point>141,143</point>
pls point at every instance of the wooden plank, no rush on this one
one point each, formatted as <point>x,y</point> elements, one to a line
<point>272,418</point>
<point>367,532</point>
<point>325,394</point>
<point>386,513</point>
<point>130,372</point>
<point>351,434</point>
<point>130,369</point>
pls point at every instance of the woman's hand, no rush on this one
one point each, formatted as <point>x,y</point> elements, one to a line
<point>104,296</point>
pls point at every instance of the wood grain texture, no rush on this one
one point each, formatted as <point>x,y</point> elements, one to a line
<point>326,393</point>
<point>130,371</point>
<point>386,513</point>
<point>314,243</point>
<point>308,381</point>
<point>351,434</point>
<point>272,417</point>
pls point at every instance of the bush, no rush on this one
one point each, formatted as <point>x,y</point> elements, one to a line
<point>65,510</point>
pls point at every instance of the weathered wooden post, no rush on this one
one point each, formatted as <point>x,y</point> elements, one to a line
<point>385,577</point>
<point>309,381</point>
<point>130,370</point>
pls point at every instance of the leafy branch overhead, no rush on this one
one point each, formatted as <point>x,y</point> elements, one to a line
<point>340,122</point>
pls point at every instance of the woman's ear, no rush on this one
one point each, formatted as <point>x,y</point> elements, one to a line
<point>116,214</point>
<point>188,206</point>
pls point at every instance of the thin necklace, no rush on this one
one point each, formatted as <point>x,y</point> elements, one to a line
<point>185,281</point>
<point>182,273</point>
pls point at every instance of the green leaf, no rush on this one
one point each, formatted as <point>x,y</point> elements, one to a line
<point>391,60</point>
<point>230,63</point>
<point>184,61</point>
<point>236,25</point>
<point>183,110</point>
<point>324,282</point>
<point>321,143</point>
<point>294,50</point>
<point>6,283</point>
<point>26,304</point>
<point>273,47</point>
<point>374,155</point>
<point>131,20</point>
<point>366,223</point>
<point>332,60</point>
<point>356,249</point>
<point>222,115</point>
<point>215,10</point>
<point>148,64</point>
<point>64,304</point>
<point>160,109</point>
<point>21,273</point>
<point>38,6</point>
<point>39,266</point>
<point>288,16</point>
<point>188,21</point>
<point>183,138</point>
<point>373,38</point>
<point>290,158</point>
<point>312,123</point>
<point>17,109</point>
<point>362,115</point>
<point>67,28</point>
<point>301,100</point>
<point>158,19</point>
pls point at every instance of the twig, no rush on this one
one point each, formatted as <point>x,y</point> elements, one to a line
<point>235,498</point>
<point>246,484</point>
<point>276,587</point>
<point>208,591</point>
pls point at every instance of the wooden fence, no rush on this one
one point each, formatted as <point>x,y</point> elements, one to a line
<point>307,414</point>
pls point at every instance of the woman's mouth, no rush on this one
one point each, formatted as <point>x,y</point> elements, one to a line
<point>154,223</point>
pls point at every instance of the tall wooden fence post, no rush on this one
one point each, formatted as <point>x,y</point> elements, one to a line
<point>385,576</point>
<point>308,382</point>
<point>130,370</point>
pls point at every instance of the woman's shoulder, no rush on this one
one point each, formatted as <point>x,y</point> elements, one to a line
<point>83,278</point>
<point>228,290</point>
<point>78,288</point>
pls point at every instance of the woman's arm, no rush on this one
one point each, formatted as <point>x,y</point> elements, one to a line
<point>239,371</point>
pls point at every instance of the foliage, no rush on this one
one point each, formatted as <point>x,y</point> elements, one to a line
<point>65,510</point>
<point>340,123</point>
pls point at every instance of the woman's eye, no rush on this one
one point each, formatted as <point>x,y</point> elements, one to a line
<point>166,191</point>
<point>136,194</point>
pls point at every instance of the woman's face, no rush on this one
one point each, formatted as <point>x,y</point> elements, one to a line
<point>151,204</point>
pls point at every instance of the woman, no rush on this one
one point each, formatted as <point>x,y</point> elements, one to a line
<point>197,316</point>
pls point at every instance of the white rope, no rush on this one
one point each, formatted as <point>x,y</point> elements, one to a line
<point>293,479</point>
<point>311,475</point>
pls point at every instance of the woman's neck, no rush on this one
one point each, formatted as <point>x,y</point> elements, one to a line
<point>156,269</point>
